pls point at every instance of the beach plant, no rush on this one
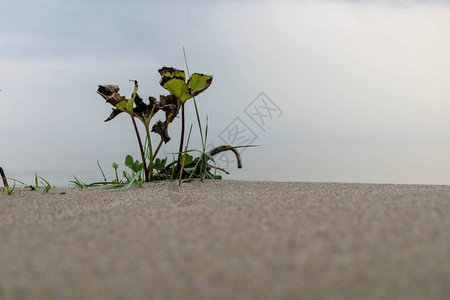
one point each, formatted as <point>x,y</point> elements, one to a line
<point>181,88</point>
<point>8,190</point>
<point>133,177</point>
<point>111,94</point>
<point>174,81</point>
<point>39,183</point>
<point>82,185</point>
<point>115,167</point>
<point>44,184</point>
<point>101,170</point>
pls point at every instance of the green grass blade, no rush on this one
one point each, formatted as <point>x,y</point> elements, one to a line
<point>78,183</point>
<point>195,102</point>
<point>15,180</point>
<point>100,167</point>
<point>36,183</point>
<point>206,133</point>
<point>46,182</point>
<point>133,180</point>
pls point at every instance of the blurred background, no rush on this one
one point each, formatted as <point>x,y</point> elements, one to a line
<point>333,91</point>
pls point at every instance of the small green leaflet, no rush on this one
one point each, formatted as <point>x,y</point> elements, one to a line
<point>198,83</point>
<point>177,86</point>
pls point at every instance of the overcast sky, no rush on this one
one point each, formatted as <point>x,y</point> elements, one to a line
<point>348,91</point>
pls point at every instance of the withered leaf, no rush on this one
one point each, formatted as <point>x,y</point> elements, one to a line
<point>110,93</point>
<point>160,128</point>
<point>114,113</point>
<point>145,111</point>
<point>171,72</point>
<point>171,105</point>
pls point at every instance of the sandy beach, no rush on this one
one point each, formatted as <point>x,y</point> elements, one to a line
<point>227,240</point>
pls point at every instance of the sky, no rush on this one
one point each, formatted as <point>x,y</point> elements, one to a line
<point>332,91</point>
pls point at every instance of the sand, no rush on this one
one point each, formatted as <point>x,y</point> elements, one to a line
<point>227,240</point>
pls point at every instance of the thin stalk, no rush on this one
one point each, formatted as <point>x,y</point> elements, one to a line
<point>157,148</point>
<point>185,60</point>
<point>140,147</point>
<point>199,124</point>
<point>146,123</point>
<point>184,156</point>
<point>195,103</point>
<point>198,118</point>
<point>5,182</point>
<point>150,165</point>
<point>101,170</point>
<point>181,140</point>
<point>217,168</point>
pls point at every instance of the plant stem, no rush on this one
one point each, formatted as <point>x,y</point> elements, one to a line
<point>184,156</point>
<point>150,165</point>
<point>181,140</point>
<point>5,182</point>
<point>157,148</point>
<point>140,147</point>
<point>101,170</point>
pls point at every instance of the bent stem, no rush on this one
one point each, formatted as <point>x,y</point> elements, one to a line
<point>140,147</point>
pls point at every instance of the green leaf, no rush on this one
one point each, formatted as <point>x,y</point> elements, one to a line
<point>129,161</point>
<point>135,166</point>
<point>160,164</point>
<point>177,87</point>
<point>189,170</point>
<point>115,166</point>
<point>199,83</point>
<point>212,176</point>
<point>174,81</point>
<point>188,159</point>
<point>130,102</point>
<point>123,106</point>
